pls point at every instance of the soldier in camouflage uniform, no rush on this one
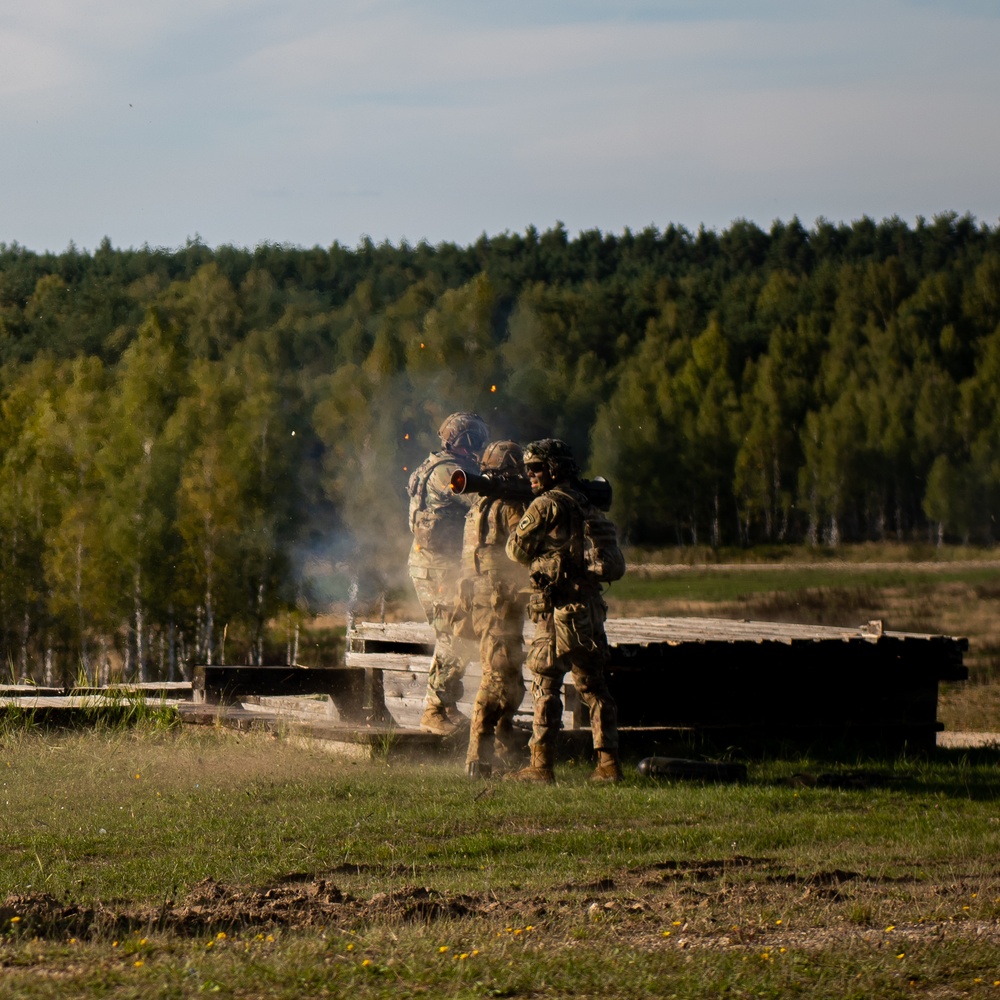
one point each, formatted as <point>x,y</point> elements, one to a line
<point>497,592</point>
<point>437,519</point>
<point>568,609</point>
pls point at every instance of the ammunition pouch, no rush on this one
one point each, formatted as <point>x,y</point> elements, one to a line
<point>574,629</point>
<point>539,605</point>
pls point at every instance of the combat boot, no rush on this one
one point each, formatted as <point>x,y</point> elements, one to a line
<point>455,717</point>
<point>608,768</point>
<point>539,770</point>
<point>435,720</point>
<point>478,769</point>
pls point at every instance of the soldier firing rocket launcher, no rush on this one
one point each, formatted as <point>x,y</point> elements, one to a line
<point>597,490</point>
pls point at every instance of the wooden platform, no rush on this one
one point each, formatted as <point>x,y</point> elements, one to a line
<point>721,683</point>
<point>682,685</point>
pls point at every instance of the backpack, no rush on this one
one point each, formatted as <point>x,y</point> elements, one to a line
<point>602,557</point>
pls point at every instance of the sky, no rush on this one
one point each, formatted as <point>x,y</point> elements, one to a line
<point>305,122</point>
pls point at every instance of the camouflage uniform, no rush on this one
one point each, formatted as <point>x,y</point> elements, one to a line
<point>437,518</point>
<point>498,598</point>
<point>569,614</point>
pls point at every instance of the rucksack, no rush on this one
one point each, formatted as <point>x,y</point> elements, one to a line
<point>602,557</point>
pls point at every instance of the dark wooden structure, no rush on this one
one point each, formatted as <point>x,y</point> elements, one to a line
<point>762,684</point>
<point>682,685</point>
<point>712,683</point>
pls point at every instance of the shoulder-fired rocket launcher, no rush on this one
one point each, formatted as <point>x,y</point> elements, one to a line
<point>597,490</point>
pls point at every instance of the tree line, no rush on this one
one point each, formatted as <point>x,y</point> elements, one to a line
<point>194,440</point>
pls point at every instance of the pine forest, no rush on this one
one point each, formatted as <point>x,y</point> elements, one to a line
<point>198,442</point>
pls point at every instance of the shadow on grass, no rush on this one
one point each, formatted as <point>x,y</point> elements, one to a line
<point>971,774</point>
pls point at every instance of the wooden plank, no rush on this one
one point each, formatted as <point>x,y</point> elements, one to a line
<point>227,684</point>
<point>30,691</point>
<point>644,631</point>
<point>148,689</point>
<point>174,689</point>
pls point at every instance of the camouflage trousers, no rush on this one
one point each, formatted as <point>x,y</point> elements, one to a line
<point>571,639</point>
<point>438,597</point>
<point>498,621</point>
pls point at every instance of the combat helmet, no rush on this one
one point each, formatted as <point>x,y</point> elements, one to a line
<point>464,432</point>
<point>557,456</point>
<point>503,458</point>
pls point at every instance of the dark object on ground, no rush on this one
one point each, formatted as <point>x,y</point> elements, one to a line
<point>700,770</point>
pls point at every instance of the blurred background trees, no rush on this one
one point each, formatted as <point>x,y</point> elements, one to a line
<point>198,442</point>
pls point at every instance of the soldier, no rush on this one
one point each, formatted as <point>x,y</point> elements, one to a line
<point>497,592</point>
<point>437,519</point>
<point>568,609</point>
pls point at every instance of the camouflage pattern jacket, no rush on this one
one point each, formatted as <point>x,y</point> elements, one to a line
<point>437,512</point>
<point>488,525</point>
<point>549,541</point>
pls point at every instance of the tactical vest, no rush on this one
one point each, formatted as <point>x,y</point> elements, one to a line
<point>484,537</point>
<point>435,527</point>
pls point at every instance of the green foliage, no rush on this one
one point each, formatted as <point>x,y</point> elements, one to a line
<point>186,433</point>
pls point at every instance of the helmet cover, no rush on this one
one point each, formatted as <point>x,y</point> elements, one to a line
<point>503,456</point>
<point>555,454</point>
<point>464,430</point>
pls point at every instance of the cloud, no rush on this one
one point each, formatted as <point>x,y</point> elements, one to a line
<point>309,121</point>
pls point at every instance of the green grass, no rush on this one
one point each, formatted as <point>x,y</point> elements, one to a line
<point>786,885</point>
<point>739,584</point>
<point>144,859</point>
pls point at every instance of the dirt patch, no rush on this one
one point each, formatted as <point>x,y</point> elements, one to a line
<point>295,902</point>
<point>668,903</point>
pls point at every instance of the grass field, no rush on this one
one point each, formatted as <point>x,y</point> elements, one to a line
<point>177,862</point>
<point>173,864</point>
